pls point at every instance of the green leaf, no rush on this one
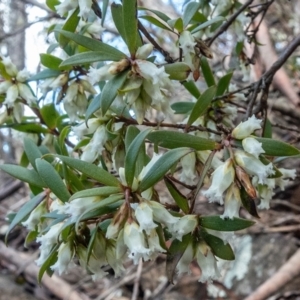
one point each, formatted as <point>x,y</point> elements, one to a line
<point>32,151</point>
<point>202,104</point>
<point>52,179</point>
<point>45,74</point>
<point>174,139</point>
<point>182,107</point>
<point>25,175</point>
<point>50,61</point>
<point>267,131</point>
<point>277,148</point>
<point>94,45</point>
<point>101,192</point>
<point>192,88</point>
<point>156,22</point>
<point>117,15</point>
<point>208,23</point>
<point>178,70</point>
<point>175,253</point>
<point>52,3</point>
<point>51,259</point>
<point>157,13</point>
<point>223,84</point>
<point>88,57</point>
<point>26,127</point>
<point>110,91</point>
<point>24,211</point>
<point>180,200</point>
<point>69,26</point>
<point>207,72</point>
<point>189,12</point>
<point>132,155</point>
<point>161,167</point>
<point>50,115</point>
<point>104,10</point>
<point>91,170</point>
<point>176,24</point>
<point>218,247</point>
<point>94,105</point>
<point>130,24</point>
<point>217,223</point>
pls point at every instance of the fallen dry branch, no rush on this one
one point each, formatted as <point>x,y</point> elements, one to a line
<point>56,285</point>
<point>284,275</point>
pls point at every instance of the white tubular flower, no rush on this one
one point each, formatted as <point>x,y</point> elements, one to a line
<point>64,258</point>
<point>26,93</point>
<point>78,206</point>
<point>4,86</point>
<point>253,166</point>
<point>203,156</point>
<point>183,265</point>
<point>3,116</point>
<point>253,146</point>
<point>244,129</point>
<point>150,71</point>
<point>222,178</point>
<point>286,174</point>
<point>59,81</point>
<point>10,68</point>
<point>232,202</point>
<point>86,129</point>
<point>188,164</point>
<point>150,164</point>
<point>11,96</point>
<point>18,111</point>
<point>35,216</point>
<point>185,225</point>
<point>58,206</point>
<point>135,241</point>
<point>208,265</point>
<point>47,241</point>
<point>154,245</point>
<point>95,146</point>
<point>85,8</point>
<point>187,42</point>
<point>144,216</point>
<point>65,6</point>
<point>161,215</point>
<point>95,30</point>
<point>101,74</point>
<point>23,75</point>
<point>144,51</point>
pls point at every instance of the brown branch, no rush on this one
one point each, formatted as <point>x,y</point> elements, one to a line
<point>227,24</point>
<point>8,190</point>
<point>289,271</point>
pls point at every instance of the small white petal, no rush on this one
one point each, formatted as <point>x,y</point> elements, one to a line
<point>244,129</point>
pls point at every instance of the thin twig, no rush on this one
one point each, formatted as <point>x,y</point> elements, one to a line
<point>136,286</point>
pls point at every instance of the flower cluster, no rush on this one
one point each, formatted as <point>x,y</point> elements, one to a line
<point>16,89</point>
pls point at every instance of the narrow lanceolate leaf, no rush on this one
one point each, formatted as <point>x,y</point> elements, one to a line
<point>277,148</point>
<point>180,200</point>
<point>117,15</point>
<point>110,91</point>
<point>32,151</point>
<point>91,170</point>
<point>69,26</point>
<point>156,22</point>
<point>192,88</point>
<point>182,107</point>
<point>89,57</point>
<point>217,223</point>
<point>50,61</point>
<point>130,24</point>
<point>189,12</point>
<point>175,252</point>
<point>157,13</point>
<point>218,247</point>
<point>207,72</point>
<point>93,106</point>
<point>94,45</point>
<point>101,191</point>
<point>52,180</point>
<point>202,104</point>
<point>208,23</point>
<point>162,166</point>
<point>44,75</point>
<point>25,175</point>
<point>223,84</point>
<point>174,139</point>
<point>24,211</point>
<point>132,155</point>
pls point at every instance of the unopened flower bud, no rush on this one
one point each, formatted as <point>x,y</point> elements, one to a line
<point>245,181</point>
<point>144,51</point>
